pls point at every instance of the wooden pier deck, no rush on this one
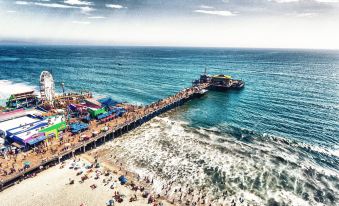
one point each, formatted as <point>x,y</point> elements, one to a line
<point>148,113</point>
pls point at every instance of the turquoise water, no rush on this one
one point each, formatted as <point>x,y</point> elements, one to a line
<point>291,96</point>
<point>288,93</point>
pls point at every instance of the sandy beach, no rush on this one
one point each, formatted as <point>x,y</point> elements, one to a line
<point>51,187</point>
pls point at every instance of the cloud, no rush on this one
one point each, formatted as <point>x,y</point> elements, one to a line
<point>96,17</point>
<point>22,2</point>
<point>115,6</point>
<point>206,7</point>
<point>86,9</point>
<point>54,5</point>
<point>78,2</point>
<point>83,9</point>
<point>81,22</point>
<point>11,11</point>
<point>51,5</point>
<point>219,13</point>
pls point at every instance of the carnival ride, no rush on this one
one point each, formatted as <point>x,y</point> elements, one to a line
<point>47,88</point>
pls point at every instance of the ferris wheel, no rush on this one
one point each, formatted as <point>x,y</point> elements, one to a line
<point>47,87</point>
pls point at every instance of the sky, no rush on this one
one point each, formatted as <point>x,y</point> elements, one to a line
<point>310,24</point>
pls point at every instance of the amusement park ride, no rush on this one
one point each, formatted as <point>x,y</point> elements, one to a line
<point>47,88</point>
<point>49,98</point>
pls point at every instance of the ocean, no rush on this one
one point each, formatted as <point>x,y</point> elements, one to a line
<point>274,142</point>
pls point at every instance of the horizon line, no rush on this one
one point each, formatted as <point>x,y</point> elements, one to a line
<point>89,44</point>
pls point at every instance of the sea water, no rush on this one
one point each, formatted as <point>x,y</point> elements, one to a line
<point>275,141</point>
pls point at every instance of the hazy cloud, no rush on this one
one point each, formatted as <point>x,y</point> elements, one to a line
<point>214,12</point>
<point>78,2</point>
<point>43,3</point>
<point>53,5</point>
<point>22,2</point>
<point>115,6</point>
<point>96,17</point>
<point>206,7</point>
<point>86,9</point>
<point>271,23</point>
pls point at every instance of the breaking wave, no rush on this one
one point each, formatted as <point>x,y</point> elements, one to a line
<point>9,87</point>
<point>257,168</point>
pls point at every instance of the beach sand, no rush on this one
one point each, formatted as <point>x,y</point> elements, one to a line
<point>51,187</point>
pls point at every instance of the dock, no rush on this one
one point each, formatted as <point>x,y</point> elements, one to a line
<point>131,121</point>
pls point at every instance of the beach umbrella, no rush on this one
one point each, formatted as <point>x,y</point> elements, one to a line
<point>67,144</point>
<point>110,202</point>
<point>27,163</point>
<point>122,180</point>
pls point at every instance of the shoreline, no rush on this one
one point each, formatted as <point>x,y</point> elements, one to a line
<point>55,182</point>
<point>121,170</point>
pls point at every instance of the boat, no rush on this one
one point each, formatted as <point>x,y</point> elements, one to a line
<point>201,92</point>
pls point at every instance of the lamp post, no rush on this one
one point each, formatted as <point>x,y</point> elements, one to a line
<point>63,88</point>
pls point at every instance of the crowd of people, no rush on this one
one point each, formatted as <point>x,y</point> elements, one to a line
<point>14,162</point>
<point>103,177</point>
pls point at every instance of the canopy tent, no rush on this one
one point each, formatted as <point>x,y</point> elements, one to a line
<point>54,127</point>
<point>104,115</point>
<point>108,102</point>
<point>86,119</point>
<point>59,126</point>
<point>95,112</point>
<point>119,111</point>
<point>77,127</point>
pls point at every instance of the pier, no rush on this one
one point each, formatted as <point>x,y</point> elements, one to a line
<point>130,120</point>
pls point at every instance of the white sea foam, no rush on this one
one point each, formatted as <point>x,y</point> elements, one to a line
<point>8,87</point>
<point>261,171</point>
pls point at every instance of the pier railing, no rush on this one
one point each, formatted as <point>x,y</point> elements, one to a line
<point>162,106</point>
